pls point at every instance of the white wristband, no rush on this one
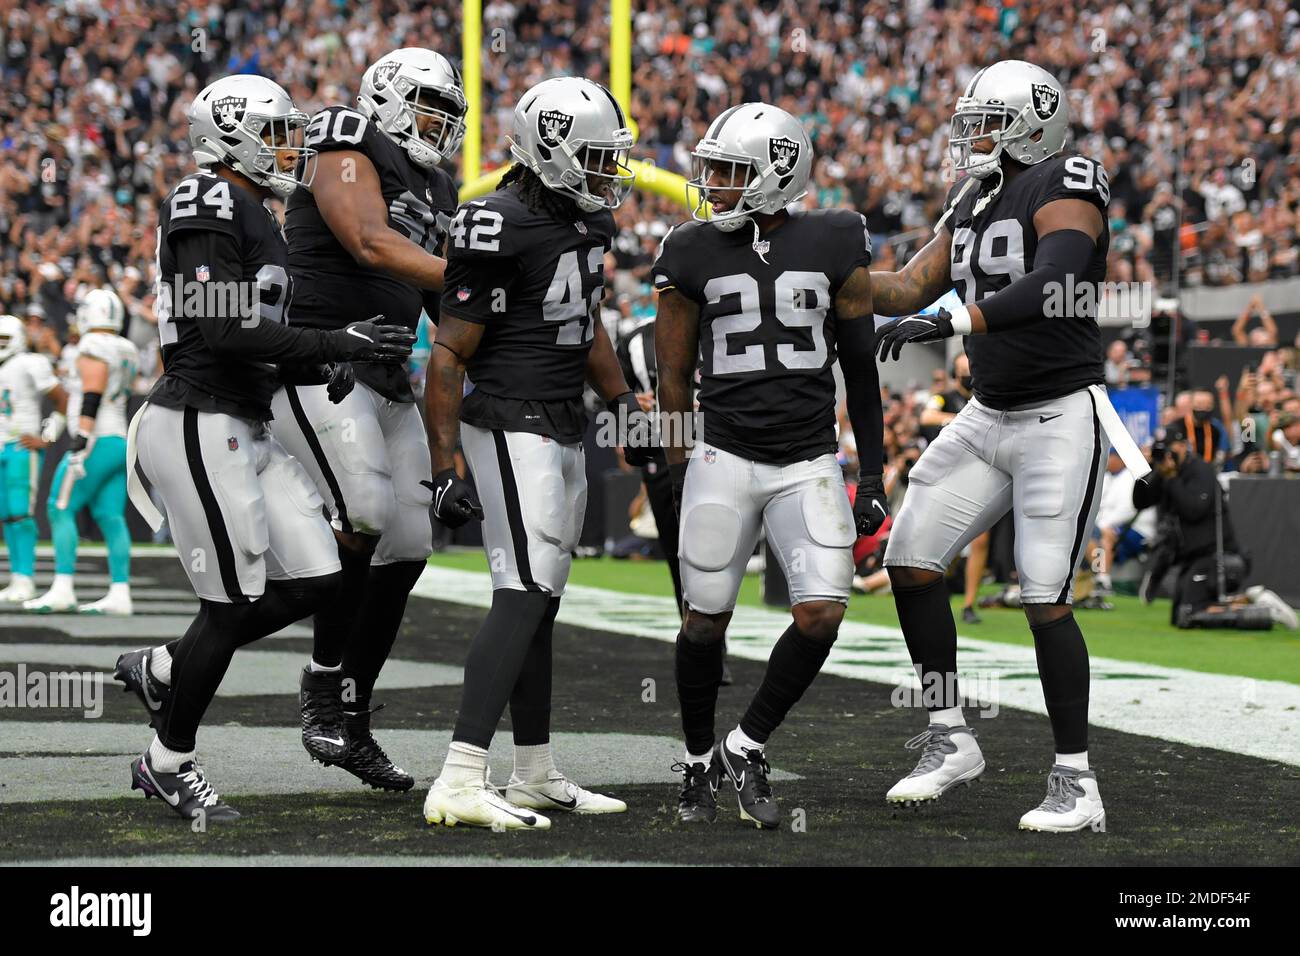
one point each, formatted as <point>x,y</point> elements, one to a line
<point>960,318</point>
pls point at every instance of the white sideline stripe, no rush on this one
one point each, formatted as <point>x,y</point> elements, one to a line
<point>1254,717</point>
<point>282,859</point>
<point>140,628</point>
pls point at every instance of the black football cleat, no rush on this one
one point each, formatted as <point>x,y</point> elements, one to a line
<point>133,670</point>
<point>367,761</point>
<point>698,800</point>
<point>748,772</point>
<point>187,791</point>
<point>321,700</point>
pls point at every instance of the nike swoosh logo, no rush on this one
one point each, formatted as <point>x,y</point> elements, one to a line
<point>525,817</point>
<point>148,697</point>
<point>878,506</point>
<point>437,503</point>
<point>1043,419</point>
<point>1200,577</point>
<point>173,798</point>
<point>567,804</point>
<point>360,335</point>
<point>329,740</point>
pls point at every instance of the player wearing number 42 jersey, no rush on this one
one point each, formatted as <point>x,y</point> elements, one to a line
<point>520,315</point>
<point>769,298</point>
<point>244,515</point>
<point>1025,227</point>
<point>367,239</point>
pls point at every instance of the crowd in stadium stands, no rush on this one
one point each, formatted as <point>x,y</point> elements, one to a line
<point>93,99</point>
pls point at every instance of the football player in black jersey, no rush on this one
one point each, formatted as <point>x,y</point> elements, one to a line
<point>243,514</point>
<point>368,238</point>
<point>521,319</point>
<point>768,299</point>
<point>1026,224</point>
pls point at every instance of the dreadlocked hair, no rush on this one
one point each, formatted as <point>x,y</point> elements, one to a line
<point>537,197</point>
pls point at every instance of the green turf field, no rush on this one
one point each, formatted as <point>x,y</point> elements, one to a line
<point>1132,632</point>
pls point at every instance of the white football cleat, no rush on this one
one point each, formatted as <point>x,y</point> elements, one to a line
<point>1072,803</point>
<point>21,588</point>
<point>478,805</point>
<point>111,604</point>
<point>559,793</point>
<point>57,600</point>
<point>949,757</point>
<point>1278,610</point>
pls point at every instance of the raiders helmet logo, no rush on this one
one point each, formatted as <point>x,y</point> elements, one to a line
<point>229,112</point>
<point>553,127</point>
<point>1045,100</point>
<point>783,153</point>
<point>385,72</point>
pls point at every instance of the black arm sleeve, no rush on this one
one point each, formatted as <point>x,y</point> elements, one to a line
<point>856,341</point>
<point>1062,253</point>
<point>233,334</point>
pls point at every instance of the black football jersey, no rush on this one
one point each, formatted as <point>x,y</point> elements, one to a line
<point>991,250</point>
<point>535,284</point>
<point>767,328</point>
<point>194,375</point>
<point>333,289</point>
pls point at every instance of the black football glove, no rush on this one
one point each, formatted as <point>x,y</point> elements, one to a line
<point>677,477</point>
<point>454,500</point>
<point>78,443</point>
<point>341,378</point>
<point>372,341</point>
<point>870,506</point>
<point>636,440</point>
<point>892,336</point>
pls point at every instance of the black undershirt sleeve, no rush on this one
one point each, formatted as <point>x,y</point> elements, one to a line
<point>855,342</point>
<point>1066,252</point>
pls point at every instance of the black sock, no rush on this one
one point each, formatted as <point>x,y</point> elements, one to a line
<point>530,703</point>
<point>1063,670</point>
<point>375,628</point>
<point>931,636</point>
<point>333,622</point>
<point>791,668</point>
<point>495,660</point>
<point>699,674</point>
<point>200,659</point>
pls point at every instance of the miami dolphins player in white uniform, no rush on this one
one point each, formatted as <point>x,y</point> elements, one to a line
<point>24,378</point>
<point>93,471</point>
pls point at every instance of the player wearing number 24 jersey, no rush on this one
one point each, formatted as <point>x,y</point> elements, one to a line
<point>768,298</point>
<point>1022,238</point>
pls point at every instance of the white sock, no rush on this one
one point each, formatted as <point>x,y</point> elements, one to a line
<point>168,761</point>
<point>534,764</point>
<point>1074,761</point>
<point>323,669</point>
<point>952,717</point>
<point>465,765</point>
<point>739,741</point>
<point>160,665</point>
<point>120,589</point>
<point>704,759</point>
<point>1103,580</point>
<point>62,582</point>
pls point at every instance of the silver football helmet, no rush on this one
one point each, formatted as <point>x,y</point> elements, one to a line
<point>248,123</point>
<point>13,337</point>
<point>101,309</point>
<point>406,84</point>
<point>758,150</point>
<point>572,134</point>
<point>1020,107</point>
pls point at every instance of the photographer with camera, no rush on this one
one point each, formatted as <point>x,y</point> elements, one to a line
<point>1197,538</point>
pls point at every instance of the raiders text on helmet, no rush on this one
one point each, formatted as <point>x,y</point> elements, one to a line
<point>1019,106</point>
<point>572,134</point>
<point>757,149</point>
<point>247,122</point>
<point>406,84</point>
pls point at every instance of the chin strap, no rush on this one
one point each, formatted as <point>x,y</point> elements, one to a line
<point>759,245</point>
<point>991,195</point>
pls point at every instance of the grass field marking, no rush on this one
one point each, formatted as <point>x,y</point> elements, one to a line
<point>1253,717</point>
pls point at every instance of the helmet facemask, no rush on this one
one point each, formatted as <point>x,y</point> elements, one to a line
<point>974,121</point>
<point>714,172</point>
<point>280,161</point>
<point>444,126</point>
<point>606,178</point>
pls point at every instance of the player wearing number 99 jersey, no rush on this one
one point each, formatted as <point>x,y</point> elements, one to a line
<point>768,298</point>
<point>1023,238</point>
<point>520,314</point>
<point>243,514</point>
<point>367,239</point>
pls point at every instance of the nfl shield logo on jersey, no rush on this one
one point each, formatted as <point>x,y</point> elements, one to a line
<point>1045,100</point>
<point>232,443</point>
<point>783,153</point>
<point>553,127</point>
<point>229,112</point>
<point>202,273</point>
<point>463,293</point>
